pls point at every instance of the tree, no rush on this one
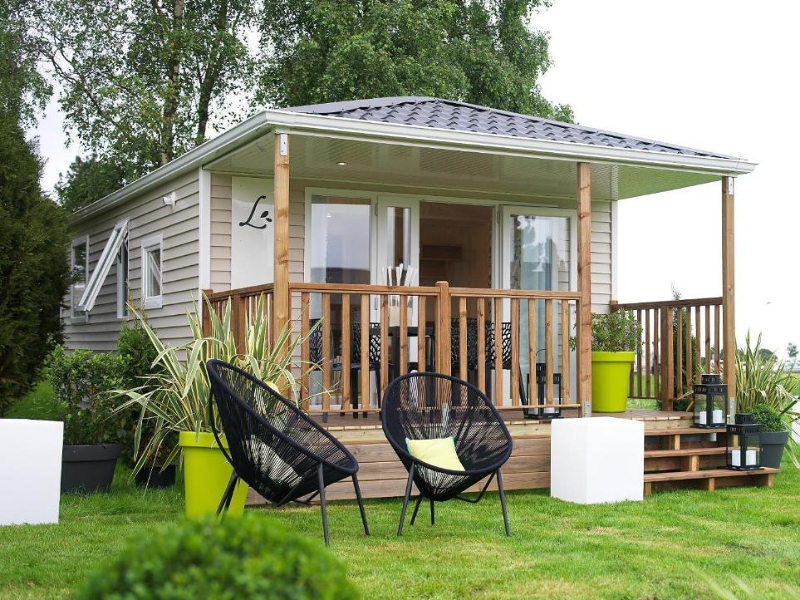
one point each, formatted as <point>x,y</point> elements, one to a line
<point>142,79</point>
<point>766,355</point>
<point>34,271</point>
<point>484,52</point>
<point>87,181</point>
<point>791,351</point>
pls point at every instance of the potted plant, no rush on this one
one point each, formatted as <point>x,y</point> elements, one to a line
<point>136,356</point>
<point>81,383</point>
<point>174,399</point>
<point>763,388</point>
<point>614,339</point>
<point>774,435</point>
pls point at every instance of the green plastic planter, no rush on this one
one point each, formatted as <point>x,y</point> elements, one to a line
<point>206,474</point>
<point>610,376</point>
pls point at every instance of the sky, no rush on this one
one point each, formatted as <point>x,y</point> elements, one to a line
<point>717,75</point>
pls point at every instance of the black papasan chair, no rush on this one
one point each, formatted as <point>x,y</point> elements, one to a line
<point>274,447</point>
<point>424,406</point>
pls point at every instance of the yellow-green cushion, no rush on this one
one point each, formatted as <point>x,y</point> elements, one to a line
<point>439,453</point>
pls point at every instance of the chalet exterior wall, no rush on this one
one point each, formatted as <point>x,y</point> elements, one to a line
<point>148,216</point>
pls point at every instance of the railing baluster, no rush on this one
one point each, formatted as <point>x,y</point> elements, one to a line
<point>480,310</point>
<point>515,352</point>
<point>462,338</point>
<point>707,368</point>
<point>639,355</point>
<point>305,352</point>
<point>346,359</point>
<point>647,352</point>
<point>403,335</point>
<point>533,388</point>
<point>548,350</point>
<point>697,333</point>
<point>717,353</point>
<point>326,353</point>
<point>365,350</point>
<point>564,352</point>
<point>384,345</point>
<point>498,351</point>
<point>656,370</point>
<point>679,353</point>
<point>688,349</point>
<point>421,334</point>
<point>668,360</point>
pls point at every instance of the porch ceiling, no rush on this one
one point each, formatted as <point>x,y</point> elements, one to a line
<point>416,166</point>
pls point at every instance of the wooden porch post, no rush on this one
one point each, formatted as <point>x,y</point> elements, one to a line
<point>584,286</point>
<point>729,322</point>
<point>281,193</point>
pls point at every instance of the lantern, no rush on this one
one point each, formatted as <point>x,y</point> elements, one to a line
<point>710,400</point>
<point>744,443</point>
<point>549,412</point>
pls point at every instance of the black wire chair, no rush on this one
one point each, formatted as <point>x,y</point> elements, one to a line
<point>273,446</point>
<point>423,406</point>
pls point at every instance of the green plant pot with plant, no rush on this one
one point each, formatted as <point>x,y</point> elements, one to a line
<point>174,401</point>
<point>81,383</point>
<point>764,388</point>
<point>614,339</point>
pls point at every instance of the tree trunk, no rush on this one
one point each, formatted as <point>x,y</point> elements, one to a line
<point>173,87</point>
<point>211,73</point>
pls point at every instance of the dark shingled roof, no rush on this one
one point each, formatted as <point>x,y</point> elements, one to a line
<point>460,116</point>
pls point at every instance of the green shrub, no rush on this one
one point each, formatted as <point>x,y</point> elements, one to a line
<point>237,559</point>
<point>616,331</point>
<point>81,381</point>
<point>768,418</point>
<point>136,354</point>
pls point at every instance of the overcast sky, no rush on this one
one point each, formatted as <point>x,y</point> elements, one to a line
<point>712,74</point>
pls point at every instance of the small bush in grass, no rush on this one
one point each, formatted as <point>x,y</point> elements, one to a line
<point>251,557</point>
<point>81,383</point>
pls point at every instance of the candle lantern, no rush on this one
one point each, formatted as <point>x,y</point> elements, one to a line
<point>710,400</point>
<point>549,412</point>
<point>744,443</point>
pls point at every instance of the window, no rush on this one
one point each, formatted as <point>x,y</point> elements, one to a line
<point>123,283</point>
<point>152,272</point>
<point>340,240</point>
<point>115,240</point>
<point>79,261</point>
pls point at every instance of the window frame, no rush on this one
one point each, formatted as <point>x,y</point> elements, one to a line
<point>150,301</point>
<point>73,301</point>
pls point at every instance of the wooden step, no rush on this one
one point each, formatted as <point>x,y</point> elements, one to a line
<point>708,479</point>
<point>684,452</point>
<point>683,431</point>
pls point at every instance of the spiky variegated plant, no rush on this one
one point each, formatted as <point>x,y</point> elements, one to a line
<point>762,381</point>
<point>176,394</point>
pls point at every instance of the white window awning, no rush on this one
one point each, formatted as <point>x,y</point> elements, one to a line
<point>98,278</point>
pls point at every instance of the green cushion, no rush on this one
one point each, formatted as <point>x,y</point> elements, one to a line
<point>439,452</point>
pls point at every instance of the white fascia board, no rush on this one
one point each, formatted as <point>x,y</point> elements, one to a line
<point>447,139</point>
<point>240,134</point>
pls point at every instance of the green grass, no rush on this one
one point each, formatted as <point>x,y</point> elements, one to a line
<point>648,550</point>
<point>39,403</point>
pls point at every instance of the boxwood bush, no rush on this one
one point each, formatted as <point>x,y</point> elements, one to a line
<point>245,558</point>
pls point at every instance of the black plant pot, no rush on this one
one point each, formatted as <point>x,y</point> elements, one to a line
<point>772,444</point>
<point>88,468</point>
<point>154,477</point>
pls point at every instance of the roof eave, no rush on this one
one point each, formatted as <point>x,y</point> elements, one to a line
<point>310,124</point>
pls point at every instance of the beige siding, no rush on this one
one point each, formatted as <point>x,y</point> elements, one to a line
<point>148,216</point>
<point>221,228</point>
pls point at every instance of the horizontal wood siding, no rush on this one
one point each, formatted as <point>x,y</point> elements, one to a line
<point>148,216</point>
<point>601,256</point>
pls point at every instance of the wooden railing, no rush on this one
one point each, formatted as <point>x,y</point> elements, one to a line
<point>680,340</point>
<point>416,328</point>
<point>244,303</point>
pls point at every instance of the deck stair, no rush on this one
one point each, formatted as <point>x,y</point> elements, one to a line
<point>687,457</point>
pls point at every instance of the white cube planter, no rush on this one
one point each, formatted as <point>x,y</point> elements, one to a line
<point>30,471</point>
<point>596,460</point>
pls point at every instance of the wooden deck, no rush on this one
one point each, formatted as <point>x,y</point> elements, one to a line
<point>382,475</point>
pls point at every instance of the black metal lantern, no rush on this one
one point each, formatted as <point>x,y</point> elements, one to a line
<point>550,412</point>
<point>710,400</point>
<point>744,444</point>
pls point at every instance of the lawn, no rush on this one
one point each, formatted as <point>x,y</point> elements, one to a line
<point>659,548</point>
